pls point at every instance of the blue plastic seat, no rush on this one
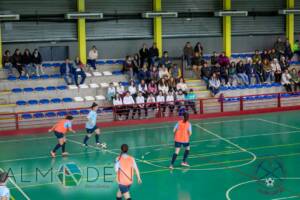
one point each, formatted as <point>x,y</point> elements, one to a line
<point>55,100</point>
<point>125,84</point>
<point>16,90</point>
<point>26,116</point>
<point>62,113</point>
<point>57,64</point>
<point>33,102</point>
<point>67,100</point>
<point>62,87</point>
<point>110,62</point>
<point>100,62</point>
<point>84,112</point>
<point>44,76</point>
<point>34,77</point>
<point>46,65</point>
<point>120,62</point>
<point>28,90</point>
<point>55,76</point>
<point>50,88</point>
<point>11,78</point>
<point>117,72</point>
<point>107,109</point>
<point>38,115</point>
<point>286,95</point>
<point>50,114</point>
<point>21,103</point>
<point>44,101</point>
<point>74,112</point>
<point>39,89</point>
<point>23,78</point>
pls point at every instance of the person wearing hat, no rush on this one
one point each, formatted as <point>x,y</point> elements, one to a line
<point>4,191</point>
<point>91,127</point>
<point>182,134</point>
<point>60,130</point>
<point>125,166</point>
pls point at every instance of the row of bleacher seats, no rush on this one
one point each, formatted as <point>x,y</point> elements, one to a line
<point>262,97</point>
<point>256,86</point>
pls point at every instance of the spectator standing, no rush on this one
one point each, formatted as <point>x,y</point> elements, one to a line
<point>17,61</point>
<point>166,60</point>
<point>286,81</point>
<point>37,62</point>
<point>27,63</point>
<point>199,49</point>
<point>67,71</point>
<point>93,56</point>
<point>196,64</point>
<point>136,63</point>
<point>144,54</point>
<point>214,58</point>
<point>279,46</point>
<point>214,85</point>
<point>188,54</point>
<point>288,53</point>
<point>153,54</point>
<point>79,71</point>
<point>7,62</point>
<point>111,92</point>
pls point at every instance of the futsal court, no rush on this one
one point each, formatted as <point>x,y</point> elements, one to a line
<point>252,157</point>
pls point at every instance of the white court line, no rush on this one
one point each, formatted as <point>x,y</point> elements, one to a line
<point>291,197</point>
<point>121,131</point>
<point>231,143</point>
<point>277,123</point>
<point>252,181</point>
<point>160,145</point>
<point>18,187</point>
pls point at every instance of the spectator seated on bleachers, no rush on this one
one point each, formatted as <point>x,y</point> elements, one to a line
<point>7,62</point>
<point>93,56</point>
<point>67,72</point>
<point>214,84</point>
<point>79,71</point>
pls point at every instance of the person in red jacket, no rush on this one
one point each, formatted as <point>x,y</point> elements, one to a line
<point>60,130</point>
<point>182,133</point>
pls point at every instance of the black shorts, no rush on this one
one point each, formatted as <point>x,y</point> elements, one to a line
<point>124,188</point>
<point>59,135</point>
<point>184,144</point>
<point>92,130</point>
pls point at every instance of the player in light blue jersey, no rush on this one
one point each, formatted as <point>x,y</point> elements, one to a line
<point>4,191</point>
<point>91,127</point>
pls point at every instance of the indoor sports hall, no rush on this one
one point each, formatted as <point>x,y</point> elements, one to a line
<point>149,99</point>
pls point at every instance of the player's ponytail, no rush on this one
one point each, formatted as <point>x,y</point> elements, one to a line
<point>185,117</point>
<point>124,149</point>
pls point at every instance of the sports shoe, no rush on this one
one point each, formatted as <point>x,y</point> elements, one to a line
<point>103,145</point>
<point>171,167</point>
<point>53,155</point>
<point>185,164</point>
<point>85,145</point>
<point>65,154</point>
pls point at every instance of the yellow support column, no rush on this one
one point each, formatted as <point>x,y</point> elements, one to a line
<point>158,27</point>
<point>227,29</point>
<point>81,30</point>
<point>0,47</point>
<point>290,22</point>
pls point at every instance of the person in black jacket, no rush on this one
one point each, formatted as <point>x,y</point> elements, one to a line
<point>153,54</point>
<point>37,62</point>
<point>144,54</point>
<point>27,63</point>
<point>7,62</point>
<point>17,61</point>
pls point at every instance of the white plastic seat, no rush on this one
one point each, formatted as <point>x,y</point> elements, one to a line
<point>97,73</point>
<point>89,98</point>
<point>78,99</point>
<point>88,74</point>
<point>115,84</point>
<point>107,73</point>
<point>100,97</point>
<point>94,85</point>
<point>83,86</point>
<point>73,87</point>
<point>104,85</point>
